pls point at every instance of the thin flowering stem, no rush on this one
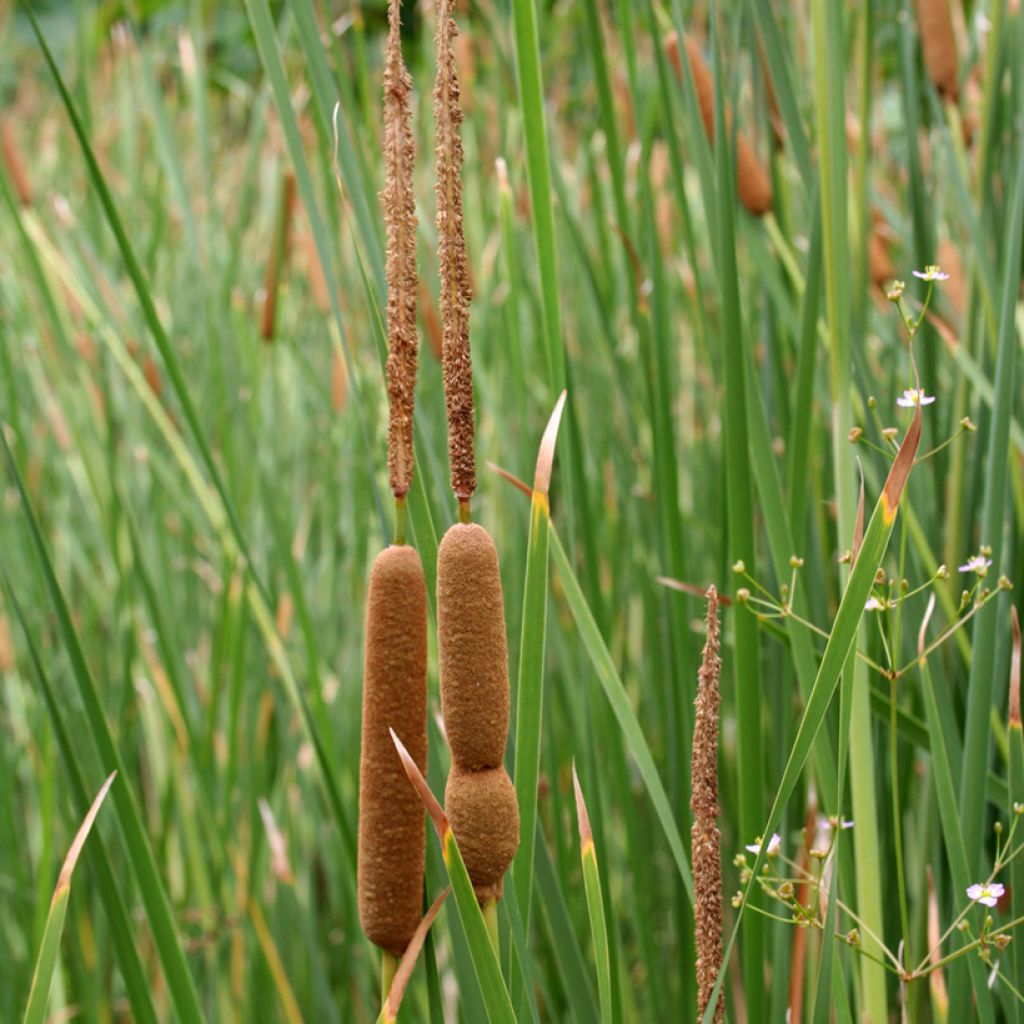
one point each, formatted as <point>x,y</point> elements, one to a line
<point>944,636</point>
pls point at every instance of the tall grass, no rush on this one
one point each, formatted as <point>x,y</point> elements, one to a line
<point>190,513</point>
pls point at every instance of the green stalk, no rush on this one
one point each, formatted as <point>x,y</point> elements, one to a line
<point>985,640</point>
<point>531,101</point>
<point>741,533</point>
<point>830,107</point>
<point>530,683</point>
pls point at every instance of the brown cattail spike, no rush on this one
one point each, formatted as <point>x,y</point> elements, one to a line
<point>471,647</point>
<point>392,833</point>
<point>400,218</point>
<point>484,815</point>
<point>456,290</point>
<point>938,46</point>
<point>705,837</point>
<point>752,182</point>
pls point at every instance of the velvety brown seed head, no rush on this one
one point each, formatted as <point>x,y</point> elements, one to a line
<point>392,834</point>
<point>453,269</point>
<point>938,46</point>
<point>400,218</point>
<point>753,185</point>
<point>704,835</point>
<point>484,815</point>
<point>471,646</point>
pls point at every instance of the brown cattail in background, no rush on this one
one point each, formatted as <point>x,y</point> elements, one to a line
<point>704,835</point>
<point>453,268</point>
<point>938,46</point>
<point>279,246</point>
<point>880,266</point>
<point>752,182</point>
<point>392,834</point>
<point>400,216</point>
<point>13,161</point>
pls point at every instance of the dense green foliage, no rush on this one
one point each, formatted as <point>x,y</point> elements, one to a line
<point>190,510</point>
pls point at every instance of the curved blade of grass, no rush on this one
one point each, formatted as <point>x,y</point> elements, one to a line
<point>530,683</point>
<point>485,958</point>
<point>46,962</point>
<point>595,906</point>
<point>840,646</point>
<point>151,886</point>
<point>393,1003</point>
<point>608,677</point>
<point>137,984</point>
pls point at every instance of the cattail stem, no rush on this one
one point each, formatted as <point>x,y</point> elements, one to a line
<point>465,513</point>
<point>400,520</point>
<point>388,968</point>
<point>490,909</point>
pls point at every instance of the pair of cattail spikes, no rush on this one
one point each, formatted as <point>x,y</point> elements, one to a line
<point>472,651</point>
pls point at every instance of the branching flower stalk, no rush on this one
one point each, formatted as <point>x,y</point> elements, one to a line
<point>704,835</point>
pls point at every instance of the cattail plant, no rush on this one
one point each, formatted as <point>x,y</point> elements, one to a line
<point>472,652</point>
<point>752,181</point>
<point>704,835</point>
<point>938,46</point>
<point>392,831</point>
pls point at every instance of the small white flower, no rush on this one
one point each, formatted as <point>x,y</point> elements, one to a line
<point>986,895</point>
<point>931,273</point>
<point>773,845</point>
<point>977,564</point>
<point>914,396</point>
<point>875,604</point>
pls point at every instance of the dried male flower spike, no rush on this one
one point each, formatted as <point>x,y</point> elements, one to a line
<point>456,290</point>
<point>752,181</point>
<point>938,46</point>
<point>392,831</point>
<point>704,835</point>
<point>400,218</point>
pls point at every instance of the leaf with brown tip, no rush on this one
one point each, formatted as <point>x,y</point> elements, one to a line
<point>546,453</point>
<point>434,809</point>
<point>409,958</point>
<point>896,481</point>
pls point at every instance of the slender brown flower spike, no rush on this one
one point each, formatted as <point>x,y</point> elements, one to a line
<point>938,46</point>
<point>472,649</point>
<point>400,217</point>
<point>752,182</point>
<point>392,833</point>
<point>456,291</point>
<point>704,835</point>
